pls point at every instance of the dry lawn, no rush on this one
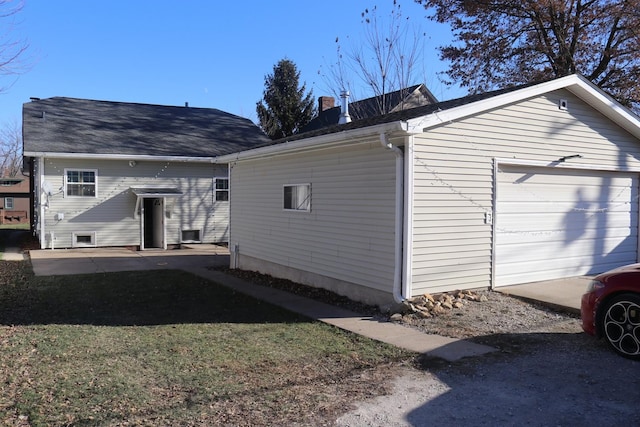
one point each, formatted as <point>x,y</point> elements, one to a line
<point>169,348</point>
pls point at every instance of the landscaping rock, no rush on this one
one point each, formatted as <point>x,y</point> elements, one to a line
<point>426,305</point>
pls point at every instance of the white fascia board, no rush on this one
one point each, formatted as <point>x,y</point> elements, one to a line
<point>576,84</point>
<point>324,141</point>
<point>608,106</point>
<point>89,156</point>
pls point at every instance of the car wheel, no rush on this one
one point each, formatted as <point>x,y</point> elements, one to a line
<point>621,325</point>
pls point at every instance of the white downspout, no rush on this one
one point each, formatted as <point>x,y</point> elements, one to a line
<point>41,207</point>
<point>399,293</point>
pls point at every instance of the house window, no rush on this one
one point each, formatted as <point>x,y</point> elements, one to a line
<point>8,203</point>
<point>83,239</point>
<point>190,236</point>
<point>222,189</point>
<point>80,182</point>
<point>297,197</point>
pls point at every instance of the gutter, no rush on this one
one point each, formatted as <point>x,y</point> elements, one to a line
<point>399,287</point>
<point>90,156</point>
<point>323,141</point>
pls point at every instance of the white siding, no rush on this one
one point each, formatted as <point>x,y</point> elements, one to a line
<point>453,170</point>
<point>349,232</point>
<point>111,213</point>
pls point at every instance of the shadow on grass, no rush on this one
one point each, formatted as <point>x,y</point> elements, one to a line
<point>131,298</point>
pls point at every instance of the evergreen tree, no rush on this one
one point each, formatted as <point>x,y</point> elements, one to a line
<point>284,108</point>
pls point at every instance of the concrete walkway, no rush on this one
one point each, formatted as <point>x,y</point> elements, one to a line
<point>561,294</point>
<point>199,259</point>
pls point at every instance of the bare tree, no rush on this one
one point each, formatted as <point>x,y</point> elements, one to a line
<point>11,50</point>
<point>10,150</point>
<point>386,60</point>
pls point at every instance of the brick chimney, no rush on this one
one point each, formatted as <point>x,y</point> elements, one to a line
<point>325,102</point>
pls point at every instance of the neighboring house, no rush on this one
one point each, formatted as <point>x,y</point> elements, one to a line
<point>125,174</point>
<point>521,185</point>
<point>14,200</point>
<point>403,99</point>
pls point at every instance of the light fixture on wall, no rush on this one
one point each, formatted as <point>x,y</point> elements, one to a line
<point>132,163</point>
<point>573,156</point>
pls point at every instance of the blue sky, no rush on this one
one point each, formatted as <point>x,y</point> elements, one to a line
<point>211,54</point>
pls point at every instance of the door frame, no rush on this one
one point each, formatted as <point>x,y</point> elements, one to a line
<point>155,220</point>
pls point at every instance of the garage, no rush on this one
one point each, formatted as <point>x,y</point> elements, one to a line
<point>552,223</point>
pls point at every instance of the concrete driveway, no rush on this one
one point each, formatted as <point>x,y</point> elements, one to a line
<point>47,262</point>
<point>562,294</point>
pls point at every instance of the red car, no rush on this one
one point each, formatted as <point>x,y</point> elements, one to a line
<point>611,309</point>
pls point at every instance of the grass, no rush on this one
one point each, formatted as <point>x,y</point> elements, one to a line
<point>170,348</point>
<point>24,226</point>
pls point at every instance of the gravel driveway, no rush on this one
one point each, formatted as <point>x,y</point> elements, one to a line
<point>547,372</point>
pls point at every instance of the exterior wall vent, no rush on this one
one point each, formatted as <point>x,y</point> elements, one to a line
<point>563,104</point>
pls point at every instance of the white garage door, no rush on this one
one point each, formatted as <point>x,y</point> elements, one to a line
<point>553,223</point>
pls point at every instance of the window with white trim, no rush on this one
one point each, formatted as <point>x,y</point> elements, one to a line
<point>83,239</point>
<point>297,197</point>
<point>81,182</point>
<point>8,203</point>
<point>190,236</point>
<point>222,189</point>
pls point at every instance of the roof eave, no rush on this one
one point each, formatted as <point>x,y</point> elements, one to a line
<point>324,141</point>
<point>576,84</point>
<point>89,156</point>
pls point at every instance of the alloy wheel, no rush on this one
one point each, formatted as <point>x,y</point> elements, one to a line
<point>621,325</point>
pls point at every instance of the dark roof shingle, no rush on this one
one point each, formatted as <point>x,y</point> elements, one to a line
<point>371,107</point>
<point>401,115</point>
<point>71,125</point>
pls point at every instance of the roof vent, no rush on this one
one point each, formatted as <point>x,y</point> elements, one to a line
<point>344,115</point>
<point>186,104</point>
<point>33,98</point>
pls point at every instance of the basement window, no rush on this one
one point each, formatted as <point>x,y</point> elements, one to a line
<point>190,236</point>
<point>83,239</point>
<point>297,197</point>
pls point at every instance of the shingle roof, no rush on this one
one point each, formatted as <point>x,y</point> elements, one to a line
<point>70,125</point>
<point>398,115</point>
<point>368,108</point>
